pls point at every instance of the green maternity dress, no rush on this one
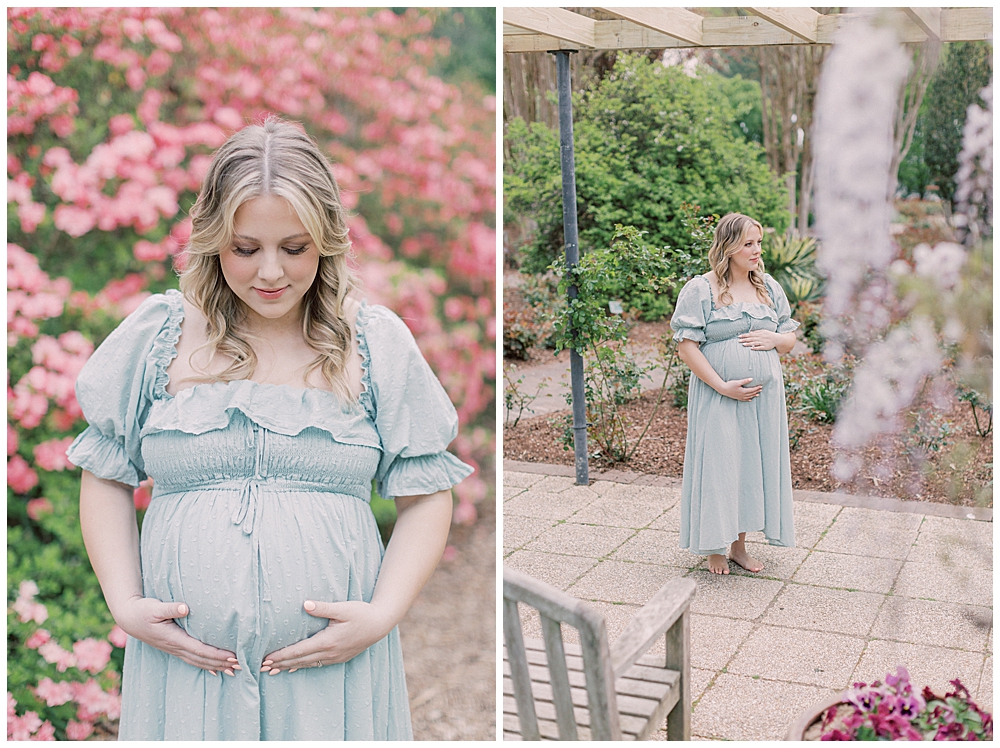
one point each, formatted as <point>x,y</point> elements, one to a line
<point>737,476</point>
<point>260,502</point>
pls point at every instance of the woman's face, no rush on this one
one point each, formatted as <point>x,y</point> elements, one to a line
<point>272,260</point>
<point>747,257</point>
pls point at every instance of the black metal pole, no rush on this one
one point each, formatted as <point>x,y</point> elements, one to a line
<point>572,258</point>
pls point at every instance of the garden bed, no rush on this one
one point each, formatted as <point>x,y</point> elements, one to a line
<point>940,479</point>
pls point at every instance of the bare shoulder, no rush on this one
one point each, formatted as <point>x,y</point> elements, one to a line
<point>193,327</point>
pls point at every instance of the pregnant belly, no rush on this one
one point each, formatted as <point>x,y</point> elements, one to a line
<point>245,572</point>
<point>732,360</point>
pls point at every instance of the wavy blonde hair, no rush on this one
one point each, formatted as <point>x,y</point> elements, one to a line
<point>274,158</point>
<point>730,233</point>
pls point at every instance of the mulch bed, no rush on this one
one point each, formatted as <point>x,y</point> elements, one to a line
<point>941,478</point>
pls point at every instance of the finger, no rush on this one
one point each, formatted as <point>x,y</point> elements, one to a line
<point>335,611</point>
<point>169,611</point>
<point>746,381</point>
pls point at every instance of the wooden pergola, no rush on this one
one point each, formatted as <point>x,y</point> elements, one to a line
<point>552,29</point>
<point>562,32</point>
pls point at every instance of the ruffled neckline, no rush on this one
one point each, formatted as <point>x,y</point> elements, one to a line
<point>736,310</point>
<point>282,408</point>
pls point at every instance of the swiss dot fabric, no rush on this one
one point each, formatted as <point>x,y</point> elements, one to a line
<point>737,475</point>
<point>260,503</point>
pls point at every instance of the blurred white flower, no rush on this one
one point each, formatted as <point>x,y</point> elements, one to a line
<point>942,263</point>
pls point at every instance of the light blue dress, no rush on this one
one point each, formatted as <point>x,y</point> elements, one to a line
<point>260,502</point>
<point>737,475</point>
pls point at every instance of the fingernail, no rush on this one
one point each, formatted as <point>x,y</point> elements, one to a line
<point>231,659</point>
<point>213,672</point>
<point>265,669</point>
<point>293,670</point>
<point>237,667</point>
<point>268,662</point>
<point>309,605</point>
<point>274,672</point>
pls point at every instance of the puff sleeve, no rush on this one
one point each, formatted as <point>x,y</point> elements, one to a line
<point>694,304</point>
<point>115,390</point>
<point>785,321</point>
<point>414,418</point>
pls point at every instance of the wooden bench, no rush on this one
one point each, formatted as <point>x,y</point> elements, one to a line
<point>558,690</point>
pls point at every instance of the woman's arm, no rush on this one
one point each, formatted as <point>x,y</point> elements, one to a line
<point>416,545</point>
<point>765,340</point>
<point>690,353</point>
<point>107,519</point>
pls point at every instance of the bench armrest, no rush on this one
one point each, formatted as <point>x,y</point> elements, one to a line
<point>651,622</point>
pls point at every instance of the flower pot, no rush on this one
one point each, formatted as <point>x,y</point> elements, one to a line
<point>813,714</point>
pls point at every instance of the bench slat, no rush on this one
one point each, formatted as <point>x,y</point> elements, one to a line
<point>545,710</point>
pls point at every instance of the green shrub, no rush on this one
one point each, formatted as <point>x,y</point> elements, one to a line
<point>648,138</point>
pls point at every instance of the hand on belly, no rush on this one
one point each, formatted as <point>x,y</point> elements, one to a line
<point>354,626</point>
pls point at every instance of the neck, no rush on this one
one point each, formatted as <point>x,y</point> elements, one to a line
<point>274,329</point>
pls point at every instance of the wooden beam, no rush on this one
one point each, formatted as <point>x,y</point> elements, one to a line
<point>800,22</point>
<point>678,23</point>
<point>928,19</point>
<point>966,24</point>
<point>535,43</point>
<point>554,22</point>
<point>957,24</point>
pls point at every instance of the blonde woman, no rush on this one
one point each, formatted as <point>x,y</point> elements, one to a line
<point>731,324</point>
<point>263,400</point>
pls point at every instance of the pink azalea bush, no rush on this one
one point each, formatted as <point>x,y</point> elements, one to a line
<point>893,711</point>
<point>113,114</point>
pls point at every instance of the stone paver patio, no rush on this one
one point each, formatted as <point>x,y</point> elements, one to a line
<point>872,584</point>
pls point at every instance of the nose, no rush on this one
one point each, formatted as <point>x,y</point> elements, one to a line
<point>270,269</point>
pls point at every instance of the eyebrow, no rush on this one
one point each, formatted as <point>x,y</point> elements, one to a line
<point>255,239</point>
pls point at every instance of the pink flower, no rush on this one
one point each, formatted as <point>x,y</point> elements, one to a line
<point>146,251</point>
<point>73,220</point>
<point>30,215</point>
<point>78,730</point>
<point>20,477</point>
<point>51,455</point>
<point>53,653</point>
<point>228,118</point>
<point>38,507</point>
<point>92,654</point>
<point>53,693</point>
<point>143,494</point>
<point>118,637</point>
<point>37,639</point>
<point>47,731</point>
<point>450,553</point>
<point>121,124</point>
<point>94,701</point>
<point>11,440</point>
<point>464,514</point>
<point>21,728</point>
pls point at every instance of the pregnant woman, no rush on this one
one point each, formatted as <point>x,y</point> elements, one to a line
<point>263,400</point>
<point>731,324</point>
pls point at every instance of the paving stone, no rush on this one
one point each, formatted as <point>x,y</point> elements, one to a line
<point>849,572</point>
<point>657,547</point>
<point>509,492</point>
<point>618,582</point>
<point>518,531</point>
<point>871,532</point>
<point>714,640</point>
<point>556,506</point>
<point>817,658</point>
<point>928,666</point>
<point>616,511</point>
<point>554,483</point>
<point>551,568</point>
<point>699,682</point>
<point>983,696</point>
<point>779,562</point>
<point>811,521</point>
<point>664,495</point>
<point>669,520</point>
<point>580,540</point>
<point>954,543</point>
<point>936,582</point>
<point>520,480</point>
<point>933,623</point>
<point>744,708</point>
<point>822,609</point>
<point>732,596</point>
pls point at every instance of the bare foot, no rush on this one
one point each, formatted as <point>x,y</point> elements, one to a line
<point>739,555</point>
<point>717,564</point>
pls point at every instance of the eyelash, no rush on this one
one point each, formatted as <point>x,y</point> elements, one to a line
<point>246,252</point>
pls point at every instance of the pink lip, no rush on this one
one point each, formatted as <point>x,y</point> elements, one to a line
<point>267,293</point>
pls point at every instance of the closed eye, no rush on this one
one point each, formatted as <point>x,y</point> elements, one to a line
<point>295,250</point>
<point>244,251</point>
